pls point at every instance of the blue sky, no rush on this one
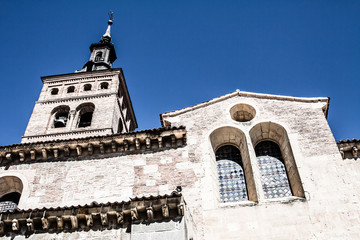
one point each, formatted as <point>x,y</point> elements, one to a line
<point>179,53</point>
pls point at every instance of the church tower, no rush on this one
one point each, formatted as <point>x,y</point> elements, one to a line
<point>91,102</point>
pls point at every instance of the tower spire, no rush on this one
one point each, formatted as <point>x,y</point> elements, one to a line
<point>102,53</point>
<point>107,37</point>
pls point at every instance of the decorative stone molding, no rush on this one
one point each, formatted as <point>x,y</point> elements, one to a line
<point>126,143</point>
<point>349,149</point>
<point>93,216</point>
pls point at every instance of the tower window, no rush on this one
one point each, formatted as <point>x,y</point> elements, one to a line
<point>87,87</point>
<point>98,57</point>
<point>85,114</point>
<point>60,116</point>
<point>85,119</point>
<point>54,91</point>
<point>71,89</point>
<point>104,85</point>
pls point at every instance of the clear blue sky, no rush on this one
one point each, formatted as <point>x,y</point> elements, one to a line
<point>180,53</point>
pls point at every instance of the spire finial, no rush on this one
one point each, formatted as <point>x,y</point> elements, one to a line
<point>106,37</point>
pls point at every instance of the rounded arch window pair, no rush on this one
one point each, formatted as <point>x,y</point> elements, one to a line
<point>242,112</point>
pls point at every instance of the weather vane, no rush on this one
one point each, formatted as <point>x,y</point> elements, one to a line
<point>111,15</point>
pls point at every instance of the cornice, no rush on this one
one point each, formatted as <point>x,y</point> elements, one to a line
<point>59,100</point>
<point>146,141</point>
<point>94,216</point>
<point>82,75</point>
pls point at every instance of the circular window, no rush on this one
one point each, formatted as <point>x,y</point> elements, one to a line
<point>242,112</point>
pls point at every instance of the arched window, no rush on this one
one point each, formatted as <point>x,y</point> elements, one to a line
<point>71,89</point>
<point>233,165</point>
<point>104,85</point>
<point>231,174</point>
<point>279,173</point>
<point>10,193</point>
<point>98,56</point>
<point>54,91</point>
<point>272,169</point>
<point>60,116</point>
<point>85,114</point>
<point>87,87</point>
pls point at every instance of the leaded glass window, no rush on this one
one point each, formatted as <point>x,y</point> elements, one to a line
<point>231,174</point>
<point>272,169</point>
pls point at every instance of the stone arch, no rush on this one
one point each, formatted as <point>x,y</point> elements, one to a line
<point>59,116</point>
<point>274,132</point>
<point>85,113</point>
<point>233,136</point>
<point>11,188</point>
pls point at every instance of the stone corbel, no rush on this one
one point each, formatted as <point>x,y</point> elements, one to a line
<point>79,150</point>
<point>160,142</point>
<point>184,139</point>
<point>67,151</point>
<point>102,148</point>
<point>45,223</point>
<point>148,143</point>
<point>150,213</point>
<point>113,146</point>
<point>181,209</point>
<point>22,156</point>
<point>137,144</point>
<point>29,225</point>
<point>8,156</point>
<point>90,149</point>
<point>104,219</point>
<point>44,153</point>
<point>355,152</point>
<point>56,153</point>
<point>15,225</point>
<point>126,145</point>
<point>134,214</point>
<point>32,154</point>
<point>89,220</point>
<point>60,222</point>
<point>120,218</point>
<point>173,140</point>
<point>165,211</point>
<point>74,221</point>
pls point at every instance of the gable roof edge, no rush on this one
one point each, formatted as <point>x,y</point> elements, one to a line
<point>246,94</point>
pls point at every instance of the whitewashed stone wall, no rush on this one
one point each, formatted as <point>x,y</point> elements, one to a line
<point>330,210</point>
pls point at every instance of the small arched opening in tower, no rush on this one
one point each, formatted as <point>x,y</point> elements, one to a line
<point>71,89</point>
<point>98,57</point>
<point>104,85</point>
<point>87,87</point>
<point>54,91</point>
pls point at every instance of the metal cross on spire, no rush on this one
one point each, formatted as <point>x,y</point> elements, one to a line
<point>111,15</point>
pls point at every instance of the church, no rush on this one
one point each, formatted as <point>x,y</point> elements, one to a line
<point>241,166</point>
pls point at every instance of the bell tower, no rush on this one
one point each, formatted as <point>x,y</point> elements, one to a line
<point>91,102</point>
